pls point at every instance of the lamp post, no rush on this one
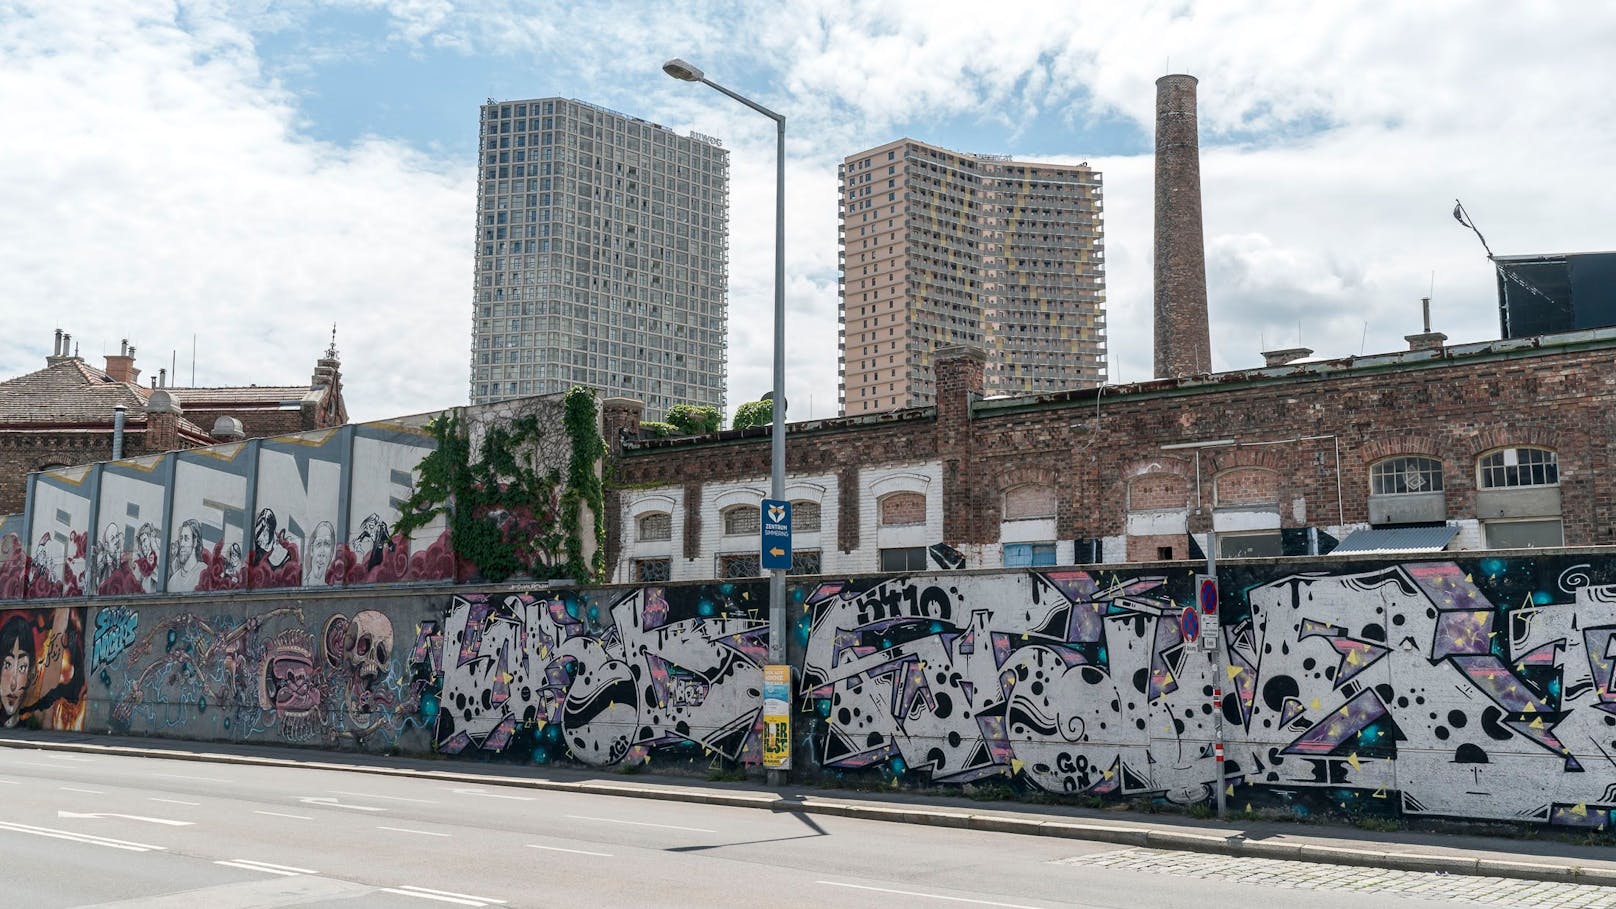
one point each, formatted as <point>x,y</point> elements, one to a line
<point>682,70</point>
<point>1219,676</point>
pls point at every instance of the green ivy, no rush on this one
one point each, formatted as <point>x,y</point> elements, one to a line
<point>753,413</point>
<point>657,430</point>
<point>501,510</point>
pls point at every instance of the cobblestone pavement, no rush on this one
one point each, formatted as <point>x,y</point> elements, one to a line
<point>1459,888</point>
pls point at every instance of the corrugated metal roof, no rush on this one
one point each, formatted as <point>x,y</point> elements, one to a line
<point>1399,539</point>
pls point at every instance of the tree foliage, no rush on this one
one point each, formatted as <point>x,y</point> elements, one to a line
<point>695,419</point>
<point>753,413</point>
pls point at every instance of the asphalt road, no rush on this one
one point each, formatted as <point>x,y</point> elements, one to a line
<point>83,830</point>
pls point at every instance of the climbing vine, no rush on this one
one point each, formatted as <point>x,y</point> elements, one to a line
<point>509,512</point>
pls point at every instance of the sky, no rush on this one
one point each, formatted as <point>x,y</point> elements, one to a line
<point>232,177</point>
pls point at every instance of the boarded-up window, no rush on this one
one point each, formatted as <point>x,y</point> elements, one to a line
<point>902,508</point>
<point>1157,491</point>
<point>658,525</point>
<point>1028,501</point>
<point>1247,486</point>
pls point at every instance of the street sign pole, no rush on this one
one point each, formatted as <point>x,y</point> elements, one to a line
<point>1206,595</point>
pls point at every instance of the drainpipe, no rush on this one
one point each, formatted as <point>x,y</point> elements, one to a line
<point>118,411</point>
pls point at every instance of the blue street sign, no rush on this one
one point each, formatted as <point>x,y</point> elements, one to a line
<point>775,539</point>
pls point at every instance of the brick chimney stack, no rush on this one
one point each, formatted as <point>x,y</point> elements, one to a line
<point>1183,337</point>
<point>121,368</point>
<point>1427,339</point>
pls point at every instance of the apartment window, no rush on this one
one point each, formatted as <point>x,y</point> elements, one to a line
<point>1028,555</point>
<point>911,558</point>
<point>651,570</point>
<point>740,519</point>
<point>1405,476</point>
<point>739,566</point>
<point>658,525</point>
<point>1515,467</point>
<point>805,517</point>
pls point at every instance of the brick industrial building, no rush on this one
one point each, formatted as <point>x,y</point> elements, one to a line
<point>941,248</point>
<point>64,415</point>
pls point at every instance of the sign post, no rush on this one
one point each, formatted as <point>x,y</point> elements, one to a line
<point>1206,600</point>
<point>777,717</point>
<point>774,541</point>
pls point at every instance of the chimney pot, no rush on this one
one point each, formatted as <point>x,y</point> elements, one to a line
<point>57,350</point>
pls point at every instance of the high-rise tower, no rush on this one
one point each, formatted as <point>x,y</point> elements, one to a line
<point>602,257</point>
<point>941,248</point>
<point>1183,342</point>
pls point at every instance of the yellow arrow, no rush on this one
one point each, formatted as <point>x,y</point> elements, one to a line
<point>777,552</point>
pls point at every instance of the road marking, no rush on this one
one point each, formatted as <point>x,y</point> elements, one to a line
<point>443,896</point>
<point>929,896</point>
<point>325,802</point>
<point>492,795</point>
<point>91,839</point>
<point>174,801</point>
<point>408,830</point>
<point>191,779</point>
<point>85,791</point>
<point>573,851</point>
<point>607,820</point>
<point>272,868</point>
<point>128,817</point>
<point>67,757</point>
<point>36,764</point>
<point>10,782</point>
<point>295,817</point>
<point>389,798</point>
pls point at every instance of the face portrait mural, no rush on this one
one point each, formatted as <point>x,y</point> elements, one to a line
<point>372,543</point>
<point>187,559</point>
<point>17,659</point>
<point>148,546</point>
<point>322,548</point>
<point>267,547</point>
<point>290,686</point>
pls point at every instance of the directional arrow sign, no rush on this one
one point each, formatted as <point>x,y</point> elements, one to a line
<point>491,795</point>
<point>333,803</point>
<point>775,537</point>
<point>129,817</point>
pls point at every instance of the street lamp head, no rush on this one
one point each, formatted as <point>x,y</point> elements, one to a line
<point>679,69</point>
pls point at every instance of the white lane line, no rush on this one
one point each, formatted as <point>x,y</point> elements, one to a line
<point>929,896</point>
<point>607,820</point>
<point>174,801</point>
<point>88,838</point>
<point>246,867</point>
<point>191,779</point>
<point>408,830</point>
<point>573,851</point>
<point>68,757</point>
<point>386,798</point>
<point>491,795</point>
<point>295,817</point>
<point>35,764</point>
<point>85,791</point>
<point>445,896</point>
<point>271,867</point>
<point>10,782</point>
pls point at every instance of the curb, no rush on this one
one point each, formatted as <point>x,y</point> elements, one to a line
<point>1235,844</point>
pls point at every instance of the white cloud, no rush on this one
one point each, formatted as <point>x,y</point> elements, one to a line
<point>159,172</point>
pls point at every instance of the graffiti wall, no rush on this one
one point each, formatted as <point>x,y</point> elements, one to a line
<point>42,668</point>
<point>298,516</point>
<point>314,673</point>
<point>59,533</point>
<point>674,673</point>
<point>373,553</point>
<point>127,556</point>
<point>13,557</point>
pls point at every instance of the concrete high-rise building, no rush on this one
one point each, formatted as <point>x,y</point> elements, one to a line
<point>940,248</point>
<point>602,257</point>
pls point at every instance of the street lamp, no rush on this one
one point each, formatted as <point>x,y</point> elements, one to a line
<point>687,72</point>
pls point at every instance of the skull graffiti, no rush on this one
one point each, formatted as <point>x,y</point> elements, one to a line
<point>359,649</point>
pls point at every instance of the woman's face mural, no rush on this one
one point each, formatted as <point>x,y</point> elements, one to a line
<point>16,666</point>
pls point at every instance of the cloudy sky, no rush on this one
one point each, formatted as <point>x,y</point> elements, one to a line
<point>247,172</point>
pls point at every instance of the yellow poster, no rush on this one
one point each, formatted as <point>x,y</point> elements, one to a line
<point>777,717</point>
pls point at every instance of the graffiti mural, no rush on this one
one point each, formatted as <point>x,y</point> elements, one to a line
<point>675,673</point>
<point>1070,682</point>
<point>299,494</point>
<point>373,553</point>
<point>210,518</point>
<point>59,534</point>
<point>42,668</point>
<point>128,553</point>
<point>13,557</point>
<point>282,674</point>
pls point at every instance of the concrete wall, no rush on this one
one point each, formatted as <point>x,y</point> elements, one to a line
<point>1466,688</point>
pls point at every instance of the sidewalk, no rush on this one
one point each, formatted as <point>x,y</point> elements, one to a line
<point>1528,859</point>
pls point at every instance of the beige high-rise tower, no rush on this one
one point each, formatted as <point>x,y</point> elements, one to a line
<point>941,248</point>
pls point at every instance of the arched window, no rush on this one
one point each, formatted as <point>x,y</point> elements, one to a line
<point>740,519</point>
<point>805,517</point>
<point>1029,501</point>
<point>903,508</point>
<point>655,525</point>
<point>1511,467</point>
<point>1405,476</point>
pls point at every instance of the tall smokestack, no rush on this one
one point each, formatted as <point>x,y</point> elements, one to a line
<point>1183,339</point>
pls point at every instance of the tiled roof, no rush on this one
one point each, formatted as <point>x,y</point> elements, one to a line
<point>70,391</point>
